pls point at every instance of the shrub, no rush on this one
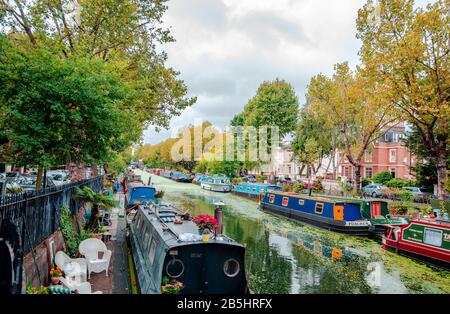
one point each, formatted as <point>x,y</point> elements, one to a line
<point>298,187</point>
<point>366,181</point>
<point>317,186</point>
<point>396,183</point>
<point>258,178</point>
<point>382,177</point>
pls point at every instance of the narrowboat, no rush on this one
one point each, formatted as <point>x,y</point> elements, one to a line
<point>166,247</point>
<point>253,190</point>
<point>334,215</point>
<point>424,239</point>
<point>217,183</point>
<point>199,178</point>
<point>181,177</point>
<point>139,193</point>
<point>374,210</point>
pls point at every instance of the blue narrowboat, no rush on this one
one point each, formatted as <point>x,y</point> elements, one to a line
<point>139,194</point>
<point>334,215</point>
<point>181,177</point>
<point>253,190</point>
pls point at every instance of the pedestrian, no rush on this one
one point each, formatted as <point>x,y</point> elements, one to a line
<point>116,186</point>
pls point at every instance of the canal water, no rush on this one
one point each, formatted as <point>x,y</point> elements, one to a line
<point>285,256</point>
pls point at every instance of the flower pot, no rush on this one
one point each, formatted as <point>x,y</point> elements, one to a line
<point>205,237</point>
<point>55,280</point>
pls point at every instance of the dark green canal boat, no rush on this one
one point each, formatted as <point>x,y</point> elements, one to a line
<point>167,249</point>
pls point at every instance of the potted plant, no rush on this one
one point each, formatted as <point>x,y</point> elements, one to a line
<point>206,224</point>
<point>171,287</point>
<point>54,274</point>
<point>159,194</point>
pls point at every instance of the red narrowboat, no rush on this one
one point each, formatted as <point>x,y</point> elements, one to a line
<point>425,239</point>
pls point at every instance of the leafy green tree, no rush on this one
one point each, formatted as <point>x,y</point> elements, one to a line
<point>312,142</point>
<point>57,111</point>
<point>275,104</point>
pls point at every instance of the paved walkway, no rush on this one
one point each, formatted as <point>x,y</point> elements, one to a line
<point>117,281</point>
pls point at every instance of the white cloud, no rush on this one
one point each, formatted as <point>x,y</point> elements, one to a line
<point>225,48</point>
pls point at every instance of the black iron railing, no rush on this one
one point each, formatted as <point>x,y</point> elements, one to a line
<point>36,214</point>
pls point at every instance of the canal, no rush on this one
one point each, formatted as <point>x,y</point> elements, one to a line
<point>284,256</point>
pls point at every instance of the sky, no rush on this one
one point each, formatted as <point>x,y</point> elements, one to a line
<point>225,49</point>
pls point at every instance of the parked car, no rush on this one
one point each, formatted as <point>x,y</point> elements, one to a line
<point>28,183</point>
<point>12,175</point>
<point>420,194</point>
<point>374,190</point>
<point>9,187</point>
<point>59,177</point>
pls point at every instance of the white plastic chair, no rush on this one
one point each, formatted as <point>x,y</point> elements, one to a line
<point>81,288</point>
<point>72,267</point>
<point>90,249</point>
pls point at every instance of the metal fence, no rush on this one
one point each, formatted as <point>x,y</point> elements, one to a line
<point>35,215</point>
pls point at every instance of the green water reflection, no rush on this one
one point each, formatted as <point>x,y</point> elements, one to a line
<point>289,257</point>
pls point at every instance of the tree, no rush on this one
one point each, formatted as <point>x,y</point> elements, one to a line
<point>405,50</point>
<point>57,111</point>
<point>312,142</point>
<point>124,32</point>
<point>350,102</point>
<point>275,104</point>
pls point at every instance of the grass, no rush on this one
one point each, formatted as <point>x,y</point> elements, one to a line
<point>133,283</point>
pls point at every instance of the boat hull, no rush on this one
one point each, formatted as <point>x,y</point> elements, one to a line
<point>419,253</point>
<point>322,222</point>
<point>216,188</point>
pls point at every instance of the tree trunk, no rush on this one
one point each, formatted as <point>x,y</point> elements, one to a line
<point>94,170</point>
<point>442,172</point>
<point>92,225</point>
<point>39,178</point>
<point>357,183</point>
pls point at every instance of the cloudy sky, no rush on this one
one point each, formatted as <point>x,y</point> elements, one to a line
<point>225,49</point>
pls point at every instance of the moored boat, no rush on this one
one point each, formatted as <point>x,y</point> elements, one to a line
<point>199,178</point>
<point>253,190</point>
<point>334,215</point>
<point>425,239</point>
<point>374,210</point>
<point>166,247</point>
<point>217,183</point>
<point>181,177</point>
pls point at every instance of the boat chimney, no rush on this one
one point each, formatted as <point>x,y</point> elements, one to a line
<point>218,214</point>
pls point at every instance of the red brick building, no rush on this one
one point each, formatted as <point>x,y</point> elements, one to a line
<point>386,154</point>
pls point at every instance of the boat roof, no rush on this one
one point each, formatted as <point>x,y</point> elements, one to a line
<point>162,217</point>
<point>315,198</point>
<point>257,184</point>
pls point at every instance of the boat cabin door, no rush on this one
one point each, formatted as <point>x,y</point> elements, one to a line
<point>338,211</point>
<point>375,209</point>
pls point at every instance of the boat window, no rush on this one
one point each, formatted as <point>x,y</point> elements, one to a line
<point>231,267</point>
<point>271,198</point>
<point>139,221</point>
<point>175,268</point>
<point>301,202</point>
<point>248,188</point>
<point>285,201</point>
<point>433,237</point>
<point>254,189</point>
<point>319,208</point>
<point>151,255</point>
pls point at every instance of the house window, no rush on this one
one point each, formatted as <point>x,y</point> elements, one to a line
<point>368,173</point>
<point>346,172</point>
<point>319,208</point>
<point>433,237</point>
<point>368,156</point>
<point>392,155</point>
<point>393,172</point>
